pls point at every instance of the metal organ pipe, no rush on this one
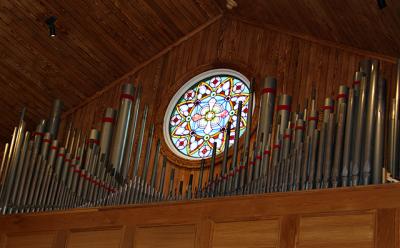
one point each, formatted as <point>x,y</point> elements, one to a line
<point>295,151</point>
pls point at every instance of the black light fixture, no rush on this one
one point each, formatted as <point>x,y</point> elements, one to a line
<point>51,24</point>
<point>381,4</point>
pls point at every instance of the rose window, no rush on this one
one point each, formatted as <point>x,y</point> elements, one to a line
<point>198,115</point>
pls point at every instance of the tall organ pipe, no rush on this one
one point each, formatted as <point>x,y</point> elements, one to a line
<point>348,139</point>
<point>107,132</point>
<point>283,112</point>
<point>121,131</point>
<point>266,110</point>
<point>394,145</point>
<point>358,138</point>
<point>379,132</point>
<point>370,121</point>
<point>132,130</point>
<point>54,121</point>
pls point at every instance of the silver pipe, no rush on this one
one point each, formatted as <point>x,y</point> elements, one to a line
<point>20,168</point>
<point>313,159</point>
<point>321,155</point>
<point>338,152</point>
<point>283,112</point>
<point>3,162</point>
<point>237,135</point>
<point>299,130</point>
<point>379,133</point>
<point>140,142</point>
<point>328,151</point>
<point>266,109</point>
<point>155,165</point>
<point>132,130</point>
<point>348,139</point>
<point>394,148</point>
<point>54,121</point>
<point>359,127</point>
<point>107,132</point>
<point>148,153</point>
<point>121,130</point>
<point>162,177</point>
<point>370,122</point>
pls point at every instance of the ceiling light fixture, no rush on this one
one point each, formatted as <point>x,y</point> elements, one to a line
<point>51,24</point>
<point>381,4</point>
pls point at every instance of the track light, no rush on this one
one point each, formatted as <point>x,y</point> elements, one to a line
<point>51,24</point>
<point>381,4</point>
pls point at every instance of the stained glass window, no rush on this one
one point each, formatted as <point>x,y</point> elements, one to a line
<point>200,115</point>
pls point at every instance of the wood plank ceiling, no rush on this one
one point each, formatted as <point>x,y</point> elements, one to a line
<point>356,23</point>
<point>97,42</point>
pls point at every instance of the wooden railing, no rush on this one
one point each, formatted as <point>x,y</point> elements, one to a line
<point>347,217</point>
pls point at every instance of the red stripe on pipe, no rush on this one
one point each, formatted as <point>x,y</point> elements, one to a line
<point>237,169</point>
<point>53,147</point>
<point>299,127</point>
<point>267,152</point>
<point>327,108</point>
<point>268,90</point>
<point>78,158</point>
<point>82,174</point>
<point>61,155</point>
<point>287,136</point>
<point>242,167</point>
<point>252,163</point>
<point>127,96</point>
<point>312,118</point>
<point>341,96</point>
<point>38,134</point>
<point>283,107</point>
<point>291,125</point>
<point>276,146</point>
<point>46,141</point>
<point>108,119</point>
<point>258,157</point>
<point>77,171</point>
<point>356,82</point>
<point>92,141</point>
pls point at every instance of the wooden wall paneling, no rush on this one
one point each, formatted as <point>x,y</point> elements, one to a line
<point>32,239</point>
<point>343,217</point>
<point>179,236</point>
<point>106,238</point>
<point>339,230</point>
<point>127,236</point>
<point>289,231</point>
<point>61,238</point>
<point>386,228</point>
<point>253,233</point>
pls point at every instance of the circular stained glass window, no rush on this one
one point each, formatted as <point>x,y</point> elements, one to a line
<point>198,114</point>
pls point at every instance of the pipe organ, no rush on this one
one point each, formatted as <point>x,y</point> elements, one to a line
<point>352,139</point>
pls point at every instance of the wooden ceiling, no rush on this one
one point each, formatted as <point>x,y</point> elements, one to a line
<point>97,42</point>
<point>356,23</point>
